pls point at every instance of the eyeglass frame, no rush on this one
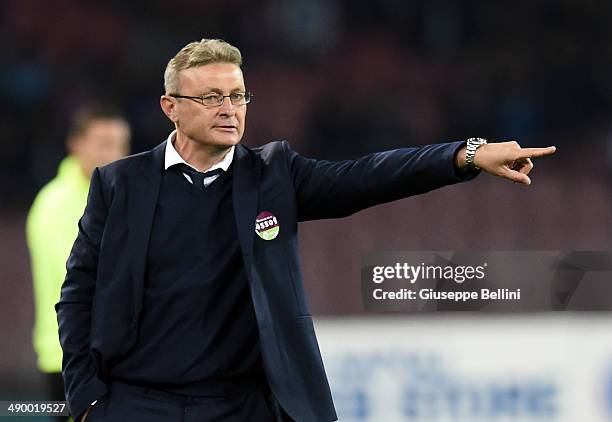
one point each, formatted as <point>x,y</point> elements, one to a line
<point>200,98</point>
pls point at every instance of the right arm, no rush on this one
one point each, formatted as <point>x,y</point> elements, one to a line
<point>74,308</point>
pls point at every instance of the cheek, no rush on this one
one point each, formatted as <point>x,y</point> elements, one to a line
<point>201,121</point>
<point>242,121</point>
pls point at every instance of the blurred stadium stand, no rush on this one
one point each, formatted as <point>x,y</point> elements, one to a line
<point>338,79</point>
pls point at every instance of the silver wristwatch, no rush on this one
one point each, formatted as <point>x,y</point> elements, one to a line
<point>472,145</point>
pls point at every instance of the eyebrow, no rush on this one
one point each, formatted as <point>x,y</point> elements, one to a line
<point>208,90</point>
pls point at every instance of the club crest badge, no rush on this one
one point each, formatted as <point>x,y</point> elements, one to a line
<point>266,225</point>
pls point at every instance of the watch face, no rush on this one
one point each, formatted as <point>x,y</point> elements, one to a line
<point>474,143</point>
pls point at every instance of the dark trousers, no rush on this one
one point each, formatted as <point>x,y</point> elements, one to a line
<point>126,402</point>
<point>55,391</point>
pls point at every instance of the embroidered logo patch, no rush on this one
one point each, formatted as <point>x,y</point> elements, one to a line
<point>266,225</point>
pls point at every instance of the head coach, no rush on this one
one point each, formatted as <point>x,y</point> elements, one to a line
<point>183,298</point>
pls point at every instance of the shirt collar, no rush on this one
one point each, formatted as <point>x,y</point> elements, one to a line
<point>172,156</point>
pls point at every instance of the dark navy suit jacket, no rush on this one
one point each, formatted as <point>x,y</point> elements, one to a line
<point>102,295</point>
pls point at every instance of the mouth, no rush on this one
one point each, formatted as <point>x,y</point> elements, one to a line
<point>226,128</point>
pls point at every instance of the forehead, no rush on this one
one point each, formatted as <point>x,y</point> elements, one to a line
<point>224,76</point>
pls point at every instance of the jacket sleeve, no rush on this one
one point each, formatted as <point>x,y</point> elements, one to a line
<point>331,189</point>
<point>75,306</point>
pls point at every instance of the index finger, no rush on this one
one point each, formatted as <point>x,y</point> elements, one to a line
<point>536,152</point>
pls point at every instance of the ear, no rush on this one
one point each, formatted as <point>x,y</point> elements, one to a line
<point>168,105</point>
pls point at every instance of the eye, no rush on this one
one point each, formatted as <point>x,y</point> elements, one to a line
<point>211,97</point>
<point>237,96</point>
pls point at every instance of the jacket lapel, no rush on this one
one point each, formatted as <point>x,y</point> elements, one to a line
<point>247,173</point>
<point>142,200</point>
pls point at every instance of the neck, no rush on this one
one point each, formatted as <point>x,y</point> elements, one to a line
<point>202,157</point>
<point>85,168</point>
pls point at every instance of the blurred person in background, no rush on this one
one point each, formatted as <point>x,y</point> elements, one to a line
<point>183,299</point>
<point>98,135</point>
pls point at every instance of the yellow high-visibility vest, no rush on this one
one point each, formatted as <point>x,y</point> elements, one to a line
<point>51,229</point>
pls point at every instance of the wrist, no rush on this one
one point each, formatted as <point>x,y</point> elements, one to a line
<point>472,144</point>
<point>460,158</point>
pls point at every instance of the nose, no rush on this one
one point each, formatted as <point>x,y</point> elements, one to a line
<point>227,107</point>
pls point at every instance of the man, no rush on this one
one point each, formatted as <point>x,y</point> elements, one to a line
<point>183,298</point>
<point>97,136</point>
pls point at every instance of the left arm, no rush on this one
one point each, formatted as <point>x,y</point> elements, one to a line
<point>332,189</point>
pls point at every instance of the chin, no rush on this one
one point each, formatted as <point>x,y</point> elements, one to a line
<point>219,141</point>
<point>228,142</point>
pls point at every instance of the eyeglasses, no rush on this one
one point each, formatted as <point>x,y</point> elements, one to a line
<point>216,100</point>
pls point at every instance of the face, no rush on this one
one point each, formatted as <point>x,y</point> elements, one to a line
<point>104,141</point>
<point>221,126</point>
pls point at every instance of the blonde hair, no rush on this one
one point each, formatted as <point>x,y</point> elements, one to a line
<point>199,53</point>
